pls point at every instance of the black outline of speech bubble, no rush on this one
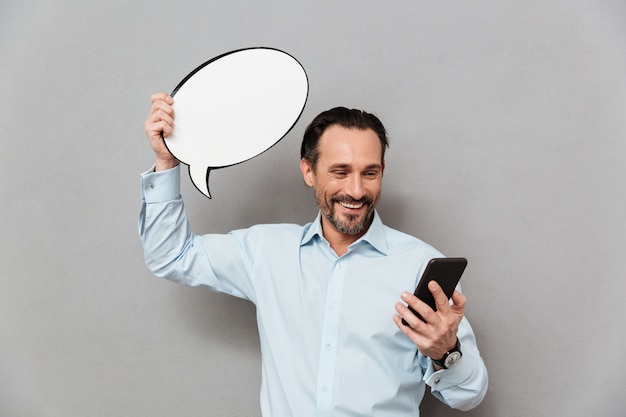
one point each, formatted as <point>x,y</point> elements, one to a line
<point>192,73</point>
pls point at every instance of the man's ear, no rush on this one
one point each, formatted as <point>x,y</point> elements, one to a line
<point>307,172</point>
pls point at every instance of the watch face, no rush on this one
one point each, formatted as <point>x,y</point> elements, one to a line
<point>452,359</point>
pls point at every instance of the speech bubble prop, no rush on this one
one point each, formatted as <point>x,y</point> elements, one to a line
<point>234,107</point>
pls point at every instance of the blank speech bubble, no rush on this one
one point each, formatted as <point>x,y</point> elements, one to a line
<point>233,108</point>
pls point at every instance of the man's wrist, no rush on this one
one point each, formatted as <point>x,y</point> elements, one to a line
<point>165,164</point>
<point>450,358</point>
<point>438,356</point>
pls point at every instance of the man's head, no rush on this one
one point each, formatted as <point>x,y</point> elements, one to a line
<point>348,118</point>
<point>343,160</point>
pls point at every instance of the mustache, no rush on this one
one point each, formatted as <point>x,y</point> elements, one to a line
<point>344,198</point>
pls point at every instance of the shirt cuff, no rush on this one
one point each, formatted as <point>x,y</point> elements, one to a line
<point>162,186</point>
<point>445,378</point>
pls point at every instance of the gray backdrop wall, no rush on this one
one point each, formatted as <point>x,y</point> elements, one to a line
<point>507,122</point>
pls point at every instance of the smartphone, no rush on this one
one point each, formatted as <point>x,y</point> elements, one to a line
<point>447,272</point>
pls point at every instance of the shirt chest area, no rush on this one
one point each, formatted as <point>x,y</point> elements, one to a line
<point>356,292</point>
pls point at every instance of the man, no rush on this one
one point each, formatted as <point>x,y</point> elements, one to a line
<point>325,292</point>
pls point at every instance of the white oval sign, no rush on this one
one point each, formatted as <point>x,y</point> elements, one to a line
<point>233,108</point>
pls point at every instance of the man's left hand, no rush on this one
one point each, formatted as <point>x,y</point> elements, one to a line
<point>437,336</point>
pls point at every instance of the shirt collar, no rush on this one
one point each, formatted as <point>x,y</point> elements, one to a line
<point>375,235</point>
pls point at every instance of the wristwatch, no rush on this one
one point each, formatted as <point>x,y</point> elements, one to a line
<point>451,358</point>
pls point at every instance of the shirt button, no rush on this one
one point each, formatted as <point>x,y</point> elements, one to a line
<point>329,346</point>
<point>333,306</point>
<point>437,380</point>
<point>338,266</point>
<point>324,388</point>
<point>151,185</point>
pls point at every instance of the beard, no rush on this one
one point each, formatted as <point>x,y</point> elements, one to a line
<point>350,224</point>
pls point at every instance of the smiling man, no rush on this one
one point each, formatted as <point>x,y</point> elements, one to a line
<point>325,292</point>
<point>346,175</point>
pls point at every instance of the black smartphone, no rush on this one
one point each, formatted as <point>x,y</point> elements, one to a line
<point>447,272</point>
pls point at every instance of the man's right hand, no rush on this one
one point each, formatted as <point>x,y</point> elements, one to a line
<point>159,125</point>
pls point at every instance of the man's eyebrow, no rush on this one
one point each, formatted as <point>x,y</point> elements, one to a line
<point>348,166</point>
<point>339,166</point>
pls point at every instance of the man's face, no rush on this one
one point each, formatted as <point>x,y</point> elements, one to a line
<point>347,179</point>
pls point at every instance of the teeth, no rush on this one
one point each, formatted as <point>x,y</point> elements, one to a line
<point>351,206</point>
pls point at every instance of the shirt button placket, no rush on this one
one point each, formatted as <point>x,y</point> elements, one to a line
<point>328,359</point>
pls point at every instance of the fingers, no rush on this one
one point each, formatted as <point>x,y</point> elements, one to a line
<point>162,106</point>
<point>158,125</point>
<point>431,340</point>
<point>409,331</point>
<point>458,303</point>
<point>160,120</point>
<point>162,97</point>
<point>418,307</point>
<point>437,334</point>
<point>441,300</point>
<point>446,311</point>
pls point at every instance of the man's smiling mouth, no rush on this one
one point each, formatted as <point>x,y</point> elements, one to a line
<point>351,205</point>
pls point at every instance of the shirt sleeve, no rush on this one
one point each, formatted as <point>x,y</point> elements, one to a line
<point>172,251</point>
<point>158,187</point>
<point>464,386</point>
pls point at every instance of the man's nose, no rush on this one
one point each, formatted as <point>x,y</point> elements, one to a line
<point>355,187</point>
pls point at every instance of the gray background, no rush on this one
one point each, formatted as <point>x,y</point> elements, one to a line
<point>507,122</point>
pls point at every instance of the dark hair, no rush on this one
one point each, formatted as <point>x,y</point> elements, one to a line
<point>348,118</point>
